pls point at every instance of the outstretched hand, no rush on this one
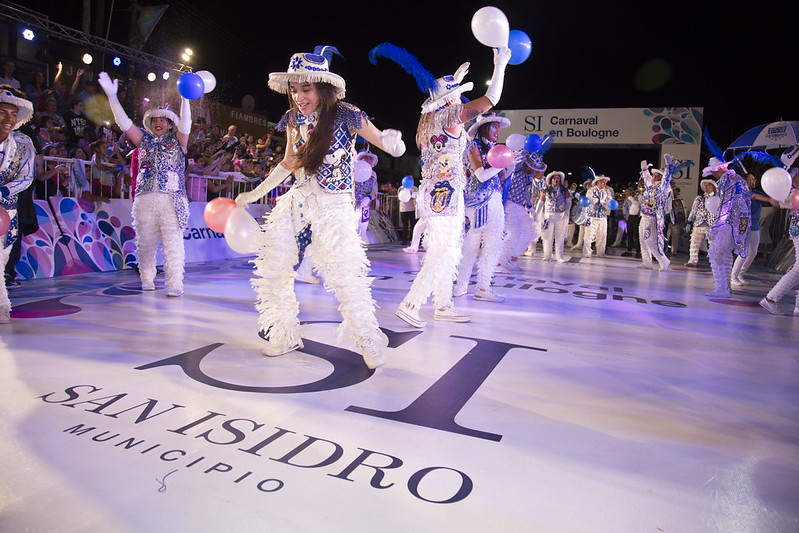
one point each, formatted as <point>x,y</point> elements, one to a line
<point>501,56</point>
<point>392,142</point>
<point>109,87</point>
<point>668,159</point>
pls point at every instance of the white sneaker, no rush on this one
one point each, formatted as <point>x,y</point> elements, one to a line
<point>410,315</point>
<point>458,291</point>
<point>450,314</point>
<point>690,264</point>
<point>771,307</point>
<point>311,280</point>
<point>273,350</point>
<point>147,286</point>
<point>174,292</point>
<point>487,295</point>
<point>665,266</point>
<point>645,266</point>
<point>796,311</point>
<point>410,250</point>
<point>718,293</point>
<point>372,355</point>
<point>5,315</point>
<point>736,283</point>
<point>561,260</point>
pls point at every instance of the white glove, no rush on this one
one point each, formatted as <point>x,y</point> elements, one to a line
<point>275,178</point>
<point>392,142</point>
<point>110,89</point>
<point>501,58</point>
<point>184,123</point>
<point>644,165</point>
<point>485,174</point>
<point>669,160</point>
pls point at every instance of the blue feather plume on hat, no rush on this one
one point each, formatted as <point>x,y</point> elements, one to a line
<point>424,79</point>
<point>327,52</point>
<point>714,148</point>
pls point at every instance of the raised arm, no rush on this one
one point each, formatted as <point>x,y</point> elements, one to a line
<point>480,105</point>
<point>388,140</point>
<point>123,121</point>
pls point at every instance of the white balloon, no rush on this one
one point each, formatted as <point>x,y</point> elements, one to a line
<point>208,79</point>
<point>242,231</point>
<point>515,141</point>
<point>712,204</point>
<point>404,195</point>
<point>361,171</point>
<point>490,27</point>
<point>776,183</point>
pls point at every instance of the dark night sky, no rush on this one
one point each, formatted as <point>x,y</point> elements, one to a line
<point>735,63</point>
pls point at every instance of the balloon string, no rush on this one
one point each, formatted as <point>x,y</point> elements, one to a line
<point>162,488</point>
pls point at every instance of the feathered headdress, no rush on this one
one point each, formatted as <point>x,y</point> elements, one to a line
<point>440,90</point>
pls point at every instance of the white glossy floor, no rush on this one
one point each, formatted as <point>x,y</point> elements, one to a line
<point>597,397</point>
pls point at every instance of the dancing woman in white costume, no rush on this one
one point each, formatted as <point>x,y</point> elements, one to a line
<point>557,206</point>
<point>319,203</point>
<point>485,214</point>
<point>791,278</point>
<point>160,207</point>
<point>442,141</point>
<point>16,174</point>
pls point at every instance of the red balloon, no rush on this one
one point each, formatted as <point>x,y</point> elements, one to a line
<point>216,213</point>
<point>5,221</point>
<point>500,156</point>
<point>795,199</point>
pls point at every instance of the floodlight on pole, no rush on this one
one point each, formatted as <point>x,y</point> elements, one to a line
<point>87,58</point>
<point>151,76</point>
<point>28,34</point>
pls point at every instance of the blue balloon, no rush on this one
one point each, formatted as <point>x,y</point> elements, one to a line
<point>532,143</point>
<point>191,86</point>
<point>520,46</point>
<point>584,201</point>
<point>613,205</point>
<point>407,182</point>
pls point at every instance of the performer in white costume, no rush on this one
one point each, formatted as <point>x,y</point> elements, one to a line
<point>16,174</point>
<point>485,215</point>
<point>442,141</point>
<point>790,280</point>
<point>728,233</point>
<point>700,220</point>
<point>319,203</point>
<point>557,206</point>
<point>418,229</point>
<point>596,225</point>
<point>365,192</point>
<point>657,187</point>
<point>742,264</point>
<point>160,207</point>
<point>521,227</point>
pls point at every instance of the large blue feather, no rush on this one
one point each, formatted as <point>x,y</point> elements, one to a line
<point>327,52</point>
<point>424,79</point>
<point>714,148</point>
<point>762,157</point>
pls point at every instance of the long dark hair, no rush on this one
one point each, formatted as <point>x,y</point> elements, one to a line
<point>311,154</point>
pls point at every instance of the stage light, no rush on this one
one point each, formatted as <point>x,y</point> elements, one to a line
<point>189,51</point>
<point>28,34</point>
<point>185,57</point>
<point>151,76</point>
<point>165,75</point>
<point>117,61</point>
<point>145,101</point>
<point>87,58</point>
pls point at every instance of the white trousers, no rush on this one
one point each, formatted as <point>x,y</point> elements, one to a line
<point>5,251</point>
<point>490,237</point>
<point>557,226</point>
<point>698,237</point>
<point>742,264</point>
<point>155,221</point>
<point>720,254</point>
<point>789,280</point>
<point>418,231</point>
<point>597,231</point>
<point>648,237</point>
<point>521,231</point>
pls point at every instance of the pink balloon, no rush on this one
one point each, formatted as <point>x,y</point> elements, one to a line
<point>5,221</point>
<point>500,156</point>
<point>794,199</point>
<point>216,213</point>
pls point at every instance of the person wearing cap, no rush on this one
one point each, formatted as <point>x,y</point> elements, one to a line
<point>596,225</point>
<point>485,215</point>
<point>699,220</point>
<point>790,280</point>
<point>555,220</point>
<point>731,227</point>
<point>579,216</point>
<point>521,226</point>
<point>632,212</point>
<point>160,206</point>
<point>17,169</point>
<point>443,143</point>
<point>657,187</point>
<point>320,203</point>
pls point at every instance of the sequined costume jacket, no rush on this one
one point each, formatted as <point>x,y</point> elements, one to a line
<point>735,209</point>
<point>162,168</point>
<point>521,187</point>
<point>699,215</point>
<point>477,192</point>
<point>16,174</point>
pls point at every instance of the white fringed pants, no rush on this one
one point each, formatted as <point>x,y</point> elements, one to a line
<point>720,254</point>
<point>557,227</point>
<point>521,231</point>
<point>155,220</point>
<point>698,236</point>
<point>490,236</point>
<point>648,237</point>
<point>336,253</point>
